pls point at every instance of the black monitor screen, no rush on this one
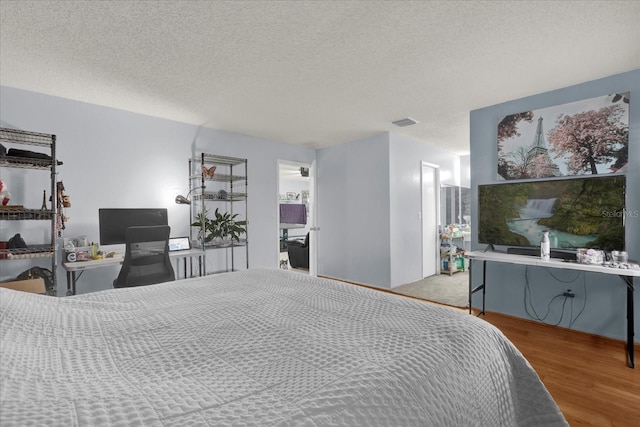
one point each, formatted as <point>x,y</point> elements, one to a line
<point>114,222</point>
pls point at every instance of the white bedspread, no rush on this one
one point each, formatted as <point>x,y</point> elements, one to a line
<point>258,347</point>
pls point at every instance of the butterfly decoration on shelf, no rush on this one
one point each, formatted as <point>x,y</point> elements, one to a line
<point>208,172</point>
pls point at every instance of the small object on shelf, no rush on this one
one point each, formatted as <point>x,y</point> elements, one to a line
<point>16,242</point>
<point>620,257</point>
<point>44,200</point>
<point>208,172</point>
<point>5,196</point>
<point>590,256</point>
<point>222,195</point>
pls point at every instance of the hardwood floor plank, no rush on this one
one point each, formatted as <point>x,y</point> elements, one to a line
<point>587,375</point>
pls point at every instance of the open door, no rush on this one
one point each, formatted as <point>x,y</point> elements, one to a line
<point>296,186</point>
<point>430,219</point>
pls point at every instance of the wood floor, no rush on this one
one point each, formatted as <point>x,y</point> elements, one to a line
<point>586,374</point>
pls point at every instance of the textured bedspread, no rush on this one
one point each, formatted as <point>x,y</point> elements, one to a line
<point>258,347</point>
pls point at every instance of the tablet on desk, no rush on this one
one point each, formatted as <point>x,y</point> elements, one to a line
<point>179,244</point>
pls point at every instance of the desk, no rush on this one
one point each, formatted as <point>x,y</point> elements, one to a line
<point>285,227</point>
<point>73,267</point>
<point>626,275</point>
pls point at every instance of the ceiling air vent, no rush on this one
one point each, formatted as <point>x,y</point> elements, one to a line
<point>405,122</point>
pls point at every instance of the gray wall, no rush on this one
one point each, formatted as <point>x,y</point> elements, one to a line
<point>406,157</point>
<point>368,190</point>
<point>369,204</point>
<point>114,158</point>
<point>353,211</point>
<point>603,297</point>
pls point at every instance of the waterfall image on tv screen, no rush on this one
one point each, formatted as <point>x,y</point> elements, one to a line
<point>578,213</point>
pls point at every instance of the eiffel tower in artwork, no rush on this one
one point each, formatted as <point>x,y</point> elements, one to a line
<point>539,148</point>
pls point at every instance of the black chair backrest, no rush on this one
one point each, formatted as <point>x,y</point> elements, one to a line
<point>146,258</point>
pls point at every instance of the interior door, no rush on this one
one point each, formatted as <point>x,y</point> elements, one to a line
<point>430,219</point>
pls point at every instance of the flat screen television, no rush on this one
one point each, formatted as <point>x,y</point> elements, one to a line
<point>113,223</point>
<point>578,213</point>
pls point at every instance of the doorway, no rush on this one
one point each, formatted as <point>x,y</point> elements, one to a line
<point>430,183</point>
<point>295,216</point>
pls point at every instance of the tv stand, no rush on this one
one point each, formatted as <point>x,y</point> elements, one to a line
<point>627,276</point>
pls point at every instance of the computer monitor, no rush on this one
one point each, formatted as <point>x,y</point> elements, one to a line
<point>113,223</point>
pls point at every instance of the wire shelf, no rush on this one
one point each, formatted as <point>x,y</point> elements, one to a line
<point>216,196</point>
<point>25,163</point>
<point>220,160</point>
<point>24,214</point>
<point>16,136</point>
<point>211,245</point>
<point>219,177</point>
<point>34,251</point>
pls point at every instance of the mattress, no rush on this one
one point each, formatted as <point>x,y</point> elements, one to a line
<point>260,347</point>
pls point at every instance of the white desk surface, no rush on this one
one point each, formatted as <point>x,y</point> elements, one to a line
<point>552,263</point>
<point>118,257</point>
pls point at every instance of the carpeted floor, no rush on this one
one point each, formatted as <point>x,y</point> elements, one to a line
<point>442,288</point>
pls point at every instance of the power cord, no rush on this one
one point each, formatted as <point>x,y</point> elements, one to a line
<point>584,304</point>
<point>528,303</point>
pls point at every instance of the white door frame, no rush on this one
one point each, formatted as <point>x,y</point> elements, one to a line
<point>426,241</point>
<point>313,220</point>
<point>313,252</point>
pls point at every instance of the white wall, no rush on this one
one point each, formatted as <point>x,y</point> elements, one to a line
<point>465,171</point>
<point>603,297</point>
<point>114,158</point>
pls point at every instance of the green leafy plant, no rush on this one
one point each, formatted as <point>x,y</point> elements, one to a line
<point>222,226</point>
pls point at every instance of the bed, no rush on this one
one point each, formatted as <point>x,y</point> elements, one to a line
<point>263,347</point>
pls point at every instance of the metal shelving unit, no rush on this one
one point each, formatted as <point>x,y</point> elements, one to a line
<point>20,213</point>
<point>226,187</point>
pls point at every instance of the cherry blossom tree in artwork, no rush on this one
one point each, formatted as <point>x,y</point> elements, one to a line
<point>508,128</point>
<point>541,167</point>
<point>590,138</point>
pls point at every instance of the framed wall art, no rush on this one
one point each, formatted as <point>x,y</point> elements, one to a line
<point>579,138</point>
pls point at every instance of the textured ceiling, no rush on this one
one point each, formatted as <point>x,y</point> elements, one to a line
<point>315,73</point>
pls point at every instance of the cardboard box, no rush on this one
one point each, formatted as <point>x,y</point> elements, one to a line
<point>35,286</point>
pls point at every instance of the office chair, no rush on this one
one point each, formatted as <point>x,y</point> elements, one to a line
<point>298,253</point>
<point>146,258</point>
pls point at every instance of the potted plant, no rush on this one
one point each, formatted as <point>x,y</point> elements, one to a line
<point>222,228</point>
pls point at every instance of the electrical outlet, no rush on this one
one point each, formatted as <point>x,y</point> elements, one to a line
<point>569,294</point>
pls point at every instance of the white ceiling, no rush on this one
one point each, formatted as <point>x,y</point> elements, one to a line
<point>314,73</point>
